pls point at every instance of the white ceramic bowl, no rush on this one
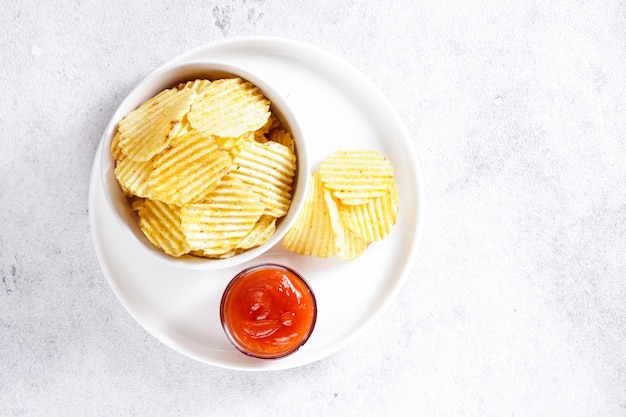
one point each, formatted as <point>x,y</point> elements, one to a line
<point>167,78</point>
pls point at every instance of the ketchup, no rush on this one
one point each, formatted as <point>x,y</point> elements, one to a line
<point>268,311</point>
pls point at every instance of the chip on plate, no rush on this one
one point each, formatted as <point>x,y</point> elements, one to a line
<point>312,233</point>
<point>356,176</point>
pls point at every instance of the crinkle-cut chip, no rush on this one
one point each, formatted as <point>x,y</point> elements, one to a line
<point>189,169</point>
<point>348,245</point>
<point>229,107</point>
<point>260,233</point>
<point>356,176</point>
<point>312,233</point>
<point>134,177</point>
<point>335,219</point>
<point>161,224</point>
<point>136,203</point>
<point>224,255</point>
<point>373,220</point>
<point>196,85</point>
<point>148,129</point>
<point>284,138</point>
<point>272,123</point>
<point>261,138</point>
<point>268,169</point>
<point>353,247</point>
<point>184,129</point>
<point>116,149</point>
<point>217,225</point>
<point>234,144</point>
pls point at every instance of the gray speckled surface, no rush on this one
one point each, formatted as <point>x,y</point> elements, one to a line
<point>516,305</point>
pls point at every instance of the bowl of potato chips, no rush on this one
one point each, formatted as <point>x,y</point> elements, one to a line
<point>205,165</point>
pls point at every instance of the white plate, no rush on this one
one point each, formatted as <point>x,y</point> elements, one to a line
<point>339,108</point>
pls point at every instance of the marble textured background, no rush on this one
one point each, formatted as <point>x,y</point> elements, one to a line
<point>516,305</point>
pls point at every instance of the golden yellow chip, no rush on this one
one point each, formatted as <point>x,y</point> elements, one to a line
<point>196,85</point>
<point>229,107</point>
<point>374,220</point>
<point>134,177</point>
<point>348,245</point>
<point>161,224</point>
<point>217,225</point>
<point>284,138</point>
<point>335,219</point>
<point>189,169</point>
<point>356,176</point>
<point>149,129</point>
<point>136,203</point>
<point>312,233</point>
<point>353,247</point>
<point>233,145</point>
<point>116,149</point>
<point>260,233</point>
<point>268,169</point>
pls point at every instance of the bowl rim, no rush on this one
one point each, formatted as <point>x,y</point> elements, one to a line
<point>168,76</point>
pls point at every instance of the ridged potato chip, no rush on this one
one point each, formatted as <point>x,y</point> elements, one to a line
<point>268,169</point>
<point>373,220</point>
<point>148,129</point>
<point>353,247</point>
<point>197,85</point>
<point>356,176</point>
<point>228,214</point>
<point>189,169</point>
<point>161,224</point>
<point>312,233</point>
<point>229,108</point>
<point>260,233</point>
<point>134,177</point>
<point>284,138</point>
<point>116,149</point>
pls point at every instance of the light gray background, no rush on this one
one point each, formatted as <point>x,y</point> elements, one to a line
<point>516,305</point>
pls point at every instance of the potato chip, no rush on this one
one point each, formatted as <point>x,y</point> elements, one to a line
<point>161,224</point>
<point>136,203</point>
<point>374,220</point>
<point>189,169</point>
<point>116,149</point>
<point>353,247</point>
<point>229,108</point>
<point>134,177</point>
<point>197,85</point>
<point>284,138</point>
<point>228,214</point>
<point>312,233</point>
<point>356,176</point>
<point>149,129</point>
<point>260,233</point>
<point>335,219</point>
<point>268,169</point>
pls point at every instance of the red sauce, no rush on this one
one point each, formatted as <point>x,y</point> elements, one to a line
<point>268,311</point>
